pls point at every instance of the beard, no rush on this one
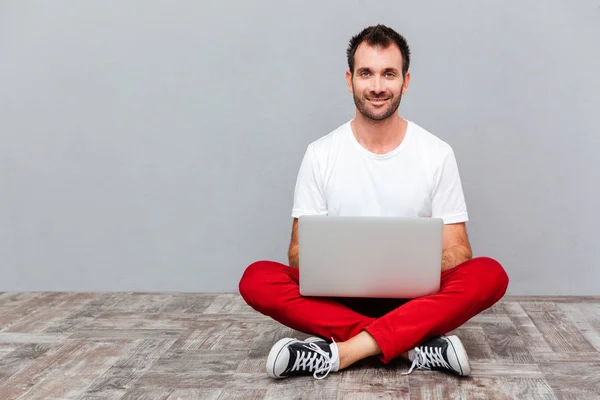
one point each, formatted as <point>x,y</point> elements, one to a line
<point>380,114</point>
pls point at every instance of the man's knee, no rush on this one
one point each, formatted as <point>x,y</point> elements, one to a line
<point>251,278</point>
<point>254,281</point>
<point>494,279</point>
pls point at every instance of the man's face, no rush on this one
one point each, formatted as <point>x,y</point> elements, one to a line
<point>377,84</point>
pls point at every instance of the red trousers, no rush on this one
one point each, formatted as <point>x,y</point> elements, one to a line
<point>397,325</point>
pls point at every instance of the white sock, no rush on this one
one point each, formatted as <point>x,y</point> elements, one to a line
<point>335,357</point>
<point>411,354</point>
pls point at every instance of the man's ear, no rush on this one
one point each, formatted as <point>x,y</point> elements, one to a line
<point>349,80</point>
<point>406,82</point>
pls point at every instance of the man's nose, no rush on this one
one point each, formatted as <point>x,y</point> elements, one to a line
<point>377,85</point>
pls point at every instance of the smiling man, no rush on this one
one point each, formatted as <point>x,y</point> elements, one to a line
<point>377,164</point>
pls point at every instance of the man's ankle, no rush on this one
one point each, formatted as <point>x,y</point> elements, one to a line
<point>344,355</point>
<point>361,346</point>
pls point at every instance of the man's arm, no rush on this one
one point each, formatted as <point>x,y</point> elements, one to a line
<point>456,248</point>
<point>293,250</point>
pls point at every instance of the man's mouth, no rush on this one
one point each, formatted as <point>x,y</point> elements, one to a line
<point>378,100</point>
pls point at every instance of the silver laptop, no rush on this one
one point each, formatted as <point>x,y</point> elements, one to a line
<point>384,257</point>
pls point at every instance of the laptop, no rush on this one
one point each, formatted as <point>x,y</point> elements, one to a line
<point>364,256</point>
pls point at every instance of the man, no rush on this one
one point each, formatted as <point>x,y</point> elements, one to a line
<point>377,164</point>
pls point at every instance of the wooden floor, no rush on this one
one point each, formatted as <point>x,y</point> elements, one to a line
<point>213,346</point>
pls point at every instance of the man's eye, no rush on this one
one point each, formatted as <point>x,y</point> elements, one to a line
<point>364,73</point>
<point>389,75</point>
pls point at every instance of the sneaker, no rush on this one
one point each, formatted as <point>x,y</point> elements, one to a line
<point>440,353</point>
<point>314,356</point>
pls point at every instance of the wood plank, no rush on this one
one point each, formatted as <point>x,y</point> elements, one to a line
<point>126,320</point>
<point>226,303</point>
<point>100,303</point>
<point>581,380</point>
<point>182,380</point>
<point>527,389</point>
<point>481,319</point>
<point>314,391</point>
<point>148,394</point>
<point>237,336</point>
<point>586,318</point>
<point>192,369</point>
<point>372,394</point>
<point>50,312</point>
<point>132,334</point>
<point>234,317</point>
<point>11,299</point>
<point>19,358</point>
<point>242,394</point>
<point>559,332</point>
<point>7,348</point>
<point>530,334</point>
<point>300,384</point>
<point>371,374</point>
<point>506,344</point>
<point>203,336</point>
<point>505,370</point>
<point>14,313</point>
<point>242,380</point>
<point>65,371</point>
<point>441,386</point>
<point>193,394</point>
<point>188,303</point>
<point>26,337</point>
<point>495,309</point>
<point>538,306</point>
<point>115,382</point>
<point>108,394</point>
<point>554,357</point>
<point>137,302</point>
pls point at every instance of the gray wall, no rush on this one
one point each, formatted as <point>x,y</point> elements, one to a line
<point>154,146</point>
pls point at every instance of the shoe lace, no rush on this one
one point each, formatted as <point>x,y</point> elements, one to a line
<point>427,357</point>
<point>314,359</point>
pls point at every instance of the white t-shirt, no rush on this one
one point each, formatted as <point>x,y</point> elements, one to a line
<point>419,178</point>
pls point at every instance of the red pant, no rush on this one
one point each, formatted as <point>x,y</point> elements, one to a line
<point>397,325</point>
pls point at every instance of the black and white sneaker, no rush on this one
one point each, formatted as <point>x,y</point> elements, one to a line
<point>441,353</point>
<point>314,356</point>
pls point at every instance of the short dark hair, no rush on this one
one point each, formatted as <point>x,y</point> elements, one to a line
<point>379,35</point>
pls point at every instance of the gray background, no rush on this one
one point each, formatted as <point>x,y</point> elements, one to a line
<point>154,146</point>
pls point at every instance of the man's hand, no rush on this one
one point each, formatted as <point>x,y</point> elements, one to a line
<point>456,248</point>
